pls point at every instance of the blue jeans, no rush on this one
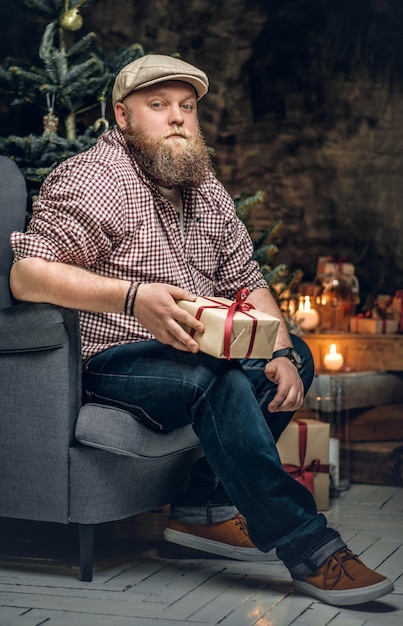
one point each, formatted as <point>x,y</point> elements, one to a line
<point>226,402</point>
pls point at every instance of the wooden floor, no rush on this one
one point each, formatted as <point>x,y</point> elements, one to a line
<point>140,580</point>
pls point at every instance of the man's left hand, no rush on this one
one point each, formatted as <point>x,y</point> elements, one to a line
<point>290,390</point>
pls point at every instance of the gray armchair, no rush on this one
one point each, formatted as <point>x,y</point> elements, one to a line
<point>62,461</point>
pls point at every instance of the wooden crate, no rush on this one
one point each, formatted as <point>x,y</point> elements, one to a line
<point>353,390</point>
<point>378,423</point>
<point>363,352</point>
<point>377,463</point>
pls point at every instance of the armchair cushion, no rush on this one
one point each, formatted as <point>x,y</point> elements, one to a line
<point>117,431</point>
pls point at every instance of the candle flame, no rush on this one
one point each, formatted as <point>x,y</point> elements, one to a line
<point>304,304</point>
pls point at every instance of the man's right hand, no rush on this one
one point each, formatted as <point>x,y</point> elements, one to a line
<point>156,309</point>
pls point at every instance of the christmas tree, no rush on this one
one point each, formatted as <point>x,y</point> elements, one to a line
<point>67,81</point>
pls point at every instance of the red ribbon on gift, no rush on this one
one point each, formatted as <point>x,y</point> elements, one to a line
<point>305,474</point>
<point>237,305</point>
<point>368,316</point>
<point>339,260</point>
<point>355,319</point>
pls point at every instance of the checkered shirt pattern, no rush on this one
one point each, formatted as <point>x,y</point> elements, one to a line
<point>97,210</point>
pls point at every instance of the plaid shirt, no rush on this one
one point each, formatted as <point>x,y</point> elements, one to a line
<point>97,210</point>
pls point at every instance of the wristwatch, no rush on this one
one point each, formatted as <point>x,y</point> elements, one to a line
<point>289,353</point>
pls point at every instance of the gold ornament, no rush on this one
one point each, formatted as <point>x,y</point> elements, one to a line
<point>71,19</point>
<point>101,121</point>
<point>50,122</point>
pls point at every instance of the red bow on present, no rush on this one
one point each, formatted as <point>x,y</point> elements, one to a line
<point>305,474</point>
<point>237,305</point>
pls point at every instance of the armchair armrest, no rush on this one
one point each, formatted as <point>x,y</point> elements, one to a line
<point>29,327</point>
<point>40,397</point>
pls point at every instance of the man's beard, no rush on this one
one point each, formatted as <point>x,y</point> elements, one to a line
<point>169,165</point>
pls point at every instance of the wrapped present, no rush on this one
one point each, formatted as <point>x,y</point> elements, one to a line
<point>233,329</point>
<point>372,325</point>
<point>304,452</point>
<point>337,276</point>
<point>334,265</point>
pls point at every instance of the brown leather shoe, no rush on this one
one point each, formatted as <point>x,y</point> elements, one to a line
<point>344,580</point>
<point>228,539</point>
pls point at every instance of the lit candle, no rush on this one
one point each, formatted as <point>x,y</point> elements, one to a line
<point>306,317</point>
<point>334,360</point>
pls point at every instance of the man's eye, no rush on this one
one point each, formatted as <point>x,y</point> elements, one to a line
<point>156,105</point>
<point>188,107</point>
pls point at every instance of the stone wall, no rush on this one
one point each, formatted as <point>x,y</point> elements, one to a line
<point>302,105</point>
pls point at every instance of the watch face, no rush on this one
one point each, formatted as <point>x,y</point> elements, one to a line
<point>294,354</point>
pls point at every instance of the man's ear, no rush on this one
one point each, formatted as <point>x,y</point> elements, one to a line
<point>120,111</point>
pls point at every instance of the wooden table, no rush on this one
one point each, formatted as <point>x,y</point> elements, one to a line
<point>362,352</point>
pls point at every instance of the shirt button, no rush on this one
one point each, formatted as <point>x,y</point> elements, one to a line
<point>174,226</point>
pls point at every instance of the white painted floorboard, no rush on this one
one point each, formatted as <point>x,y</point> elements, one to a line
<point>135,583</point>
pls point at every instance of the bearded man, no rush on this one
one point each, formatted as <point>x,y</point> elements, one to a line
<point>121,232</point>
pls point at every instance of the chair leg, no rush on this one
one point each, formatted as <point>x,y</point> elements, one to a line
<point>87,540</point>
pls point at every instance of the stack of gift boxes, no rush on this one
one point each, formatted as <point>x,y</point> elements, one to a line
<point>337,290</point>
<point>334,296</point>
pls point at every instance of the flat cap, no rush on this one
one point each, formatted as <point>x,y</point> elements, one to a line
<point>157,68</point>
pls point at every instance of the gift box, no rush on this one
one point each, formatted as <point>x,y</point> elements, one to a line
<point>304,452</point>
<point>373,326</point>
<point>334,265</point>
<point>233,329</point>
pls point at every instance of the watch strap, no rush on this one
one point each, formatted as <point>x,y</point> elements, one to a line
<point>288,353</point>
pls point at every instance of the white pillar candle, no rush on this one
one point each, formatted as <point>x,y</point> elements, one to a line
<point>306,317</point>
<point>334,360</point>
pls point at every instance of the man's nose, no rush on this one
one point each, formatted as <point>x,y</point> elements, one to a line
<point>175,115</point>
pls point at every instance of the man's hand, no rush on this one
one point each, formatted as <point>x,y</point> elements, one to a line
<point>156,309</point>
<point>290,390</point>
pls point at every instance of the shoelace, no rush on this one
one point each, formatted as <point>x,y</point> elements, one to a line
<point>335,567</point>
<point>241,522</point>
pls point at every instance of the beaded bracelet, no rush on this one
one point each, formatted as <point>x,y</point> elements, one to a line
<point>131,297</point>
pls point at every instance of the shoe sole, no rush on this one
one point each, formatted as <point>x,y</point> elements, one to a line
<point>221,549</point>
<point>347,597</point>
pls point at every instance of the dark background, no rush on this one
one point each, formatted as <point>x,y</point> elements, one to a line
<point>305,104</point>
